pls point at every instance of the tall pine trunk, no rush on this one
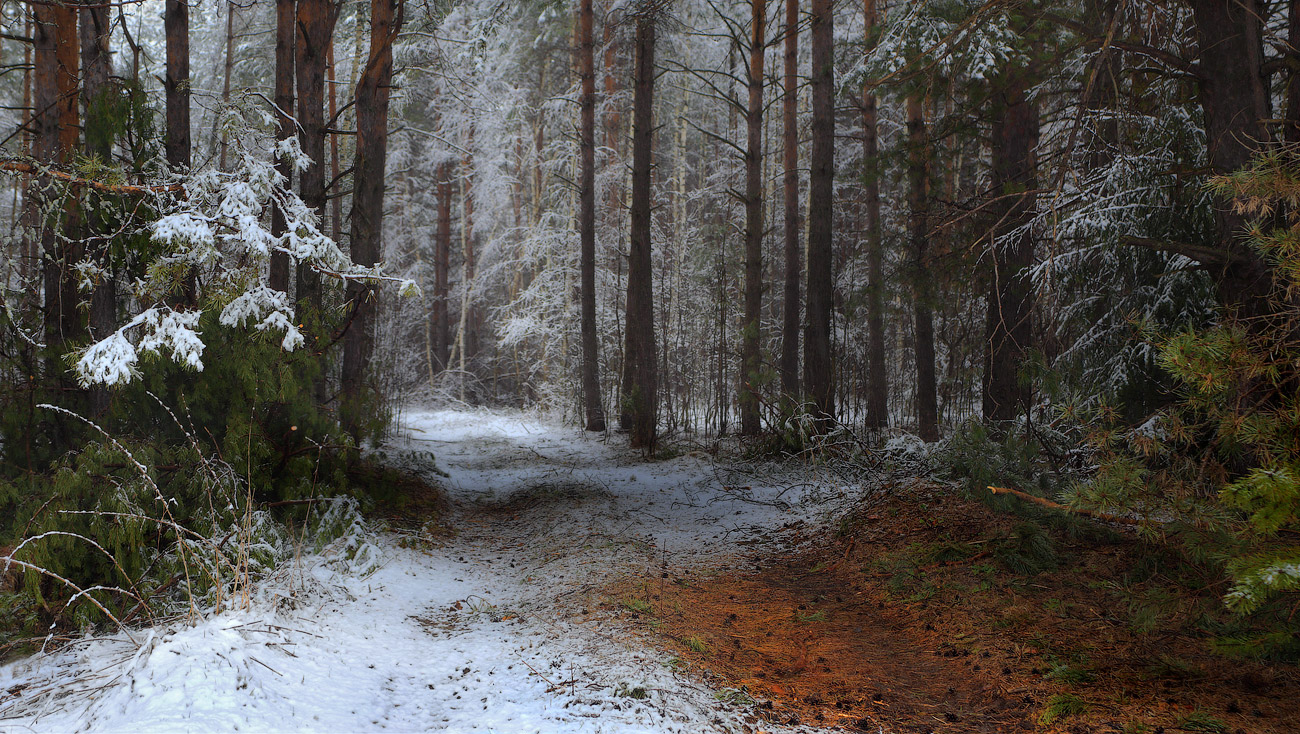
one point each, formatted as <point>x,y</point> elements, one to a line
<point>442,270</point>
<point>468,336</point>
<point>56,121</point>
<point>226,72</point>
<point>96,71</point>
<point>336,201</point>
<point>315,21</point>
<point>789,363</point>
<point>640,365</point>
<point>918,177</point>
<point>613,119</point>
<point>373,89</point>
<point>594,410</point>
<point>1235,102</point>
<point>1291,130</point>
<point>55,98</point>
<point>176,85</point>
<point>176,22</point>
<point>1009,331</point>
<point>818,370</point>
<point>285,42</point>
<point>877,381</point>
<point>751,355</point>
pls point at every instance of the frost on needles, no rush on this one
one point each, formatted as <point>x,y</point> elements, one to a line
<point>217,227</point>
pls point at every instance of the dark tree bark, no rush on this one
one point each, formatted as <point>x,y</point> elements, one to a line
<point>877,382</point>
<point>315,22</point>
<point>918,199</point>
<point>285,42</point>
<point>1291,131</point>
<point>373,89</point>
<point>29,259</point>
<point>818,370</point>
<point>176,85</point>
<point>226,72</point>
<point>56,121</point>
<point>96,66</point>
<point>469,261</point>
<point>1009,330</point>
<point>336,202</point>
<point>613,118</point>
<point>176,24</point>
<point>640,365</point>
<point>96,70</point>
<point>789,364</point>
<point>595,411</point>
<point>1234,100</point>
<point>442,269</point>
<point>751,355</point>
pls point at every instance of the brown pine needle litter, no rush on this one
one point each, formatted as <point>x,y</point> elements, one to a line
<point>905,619</point>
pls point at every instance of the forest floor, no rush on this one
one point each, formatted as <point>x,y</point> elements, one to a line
<point>919,610</point>
<point>567,585</point>
<point>489,620</point>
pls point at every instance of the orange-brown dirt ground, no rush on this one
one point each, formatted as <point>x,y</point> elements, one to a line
<point>905,618</point>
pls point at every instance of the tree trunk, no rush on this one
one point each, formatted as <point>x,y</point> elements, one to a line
<point>285,42</point>
<point>316,19</point>
<point>751,355</point>
<point>613,119</point>
<point>96,70</point>
<point>55,99</point>
<point>469,261</point>
<point>1011,296</point>
<point>373,89</point>
<point>818,370</point>
<point>789,366</point>
<point>176,85</point>
<point>336,201</point>
<point>29,257</point>
<point>96,65</point>
<point>877,381</point>
<point>918,177</point>
<point>640,362</point>
<point>176,23</point>
<point>595,411</point>
<point>225,79</point>
<point>1234,99</point>
<point>442,269</point>
<point>1291,131</point>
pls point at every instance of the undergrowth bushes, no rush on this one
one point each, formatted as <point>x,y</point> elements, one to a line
<point>187,491</point>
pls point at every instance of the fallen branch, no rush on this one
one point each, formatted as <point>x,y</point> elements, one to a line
<point>1065,508</point>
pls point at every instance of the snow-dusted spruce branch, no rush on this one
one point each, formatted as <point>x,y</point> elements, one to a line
<point>135,590</point>
<point>78,591</point>
<point>218,226</point>
<point>194,549</point>
<point>144,474</point>
<point>922,41</point>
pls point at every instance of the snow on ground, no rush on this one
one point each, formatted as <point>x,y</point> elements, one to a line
<point>489,632</point>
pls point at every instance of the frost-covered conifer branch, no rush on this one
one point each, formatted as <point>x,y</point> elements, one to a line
<point>217,225</point>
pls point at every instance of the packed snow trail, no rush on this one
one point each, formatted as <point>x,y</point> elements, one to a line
<point>489,632</point>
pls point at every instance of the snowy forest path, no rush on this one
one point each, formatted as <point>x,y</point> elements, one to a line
<point>544,519</point>
<point>493,628</point>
